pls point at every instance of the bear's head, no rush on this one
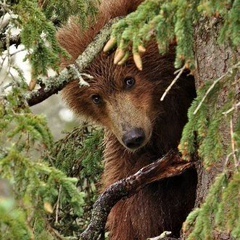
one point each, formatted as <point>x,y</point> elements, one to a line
<point>123,99</point>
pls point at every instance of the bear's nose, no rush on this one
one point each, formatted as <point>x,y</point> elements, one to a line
<point>134,138</point>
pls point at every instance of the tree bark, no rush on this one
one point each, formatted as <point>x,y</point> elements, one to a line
<point>212,61</point>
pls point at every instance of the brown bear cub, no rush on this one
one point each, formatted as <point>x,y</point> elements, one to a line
<point>139,128</point>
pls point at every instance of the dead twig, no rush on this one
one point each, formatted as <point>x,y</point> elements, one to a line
<point>179,73</point>
<point>168,166</point>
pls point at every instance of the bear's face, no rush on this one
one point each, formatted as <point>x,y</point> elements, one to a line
<point>124,108</point>
<point>119,98</point>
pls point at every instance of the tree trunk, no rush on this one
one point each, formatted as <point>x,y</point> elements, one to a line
<point>212,61</point>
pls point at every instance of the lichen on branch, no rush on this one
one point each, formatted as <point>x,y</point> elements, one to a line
<point>54,84</point>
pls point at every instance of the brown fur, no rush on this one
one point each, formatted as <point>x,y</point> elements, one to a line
<point>162,206</point>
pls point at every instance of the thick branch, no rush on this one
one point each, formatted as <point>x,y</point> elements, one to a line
<point>168,166</point>
<point>55,84</point>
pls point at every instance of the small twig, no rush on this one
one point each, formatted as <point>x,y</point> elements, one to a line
<point>232,108</point>
<point>57,205</point>
<point>168,166</point>
<point>161,236</point>
<point>17,51</point>
<point>4,21</point>
<point>237,65</point>
<point>228,158</point>
<point>179,71</point>
<point>56,234</point>
<point>233,143</point>
<point>54,84</point>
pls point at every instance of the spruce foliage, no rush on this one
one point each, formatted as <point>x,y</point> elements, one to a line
<point>34,193</point>
<point>34,182</point>
<point>49,185</point>
<point>45,179</point>
<point>79,155</point>
<point>204,135</point>
<point>220,212</point>
<point>36,20</point>
<point>170,21</point>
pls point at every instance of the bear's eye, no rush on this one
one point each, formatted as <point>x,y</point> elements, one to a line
<point>129,82</point>
<point>96,99</point>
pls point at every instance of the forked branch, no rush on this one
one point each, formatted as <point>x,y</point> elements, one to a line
<point>168,166</point>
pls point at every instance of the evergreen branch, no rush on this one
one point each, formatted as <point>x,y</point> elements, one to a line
<point>168,166</point>
<point>72,72</point>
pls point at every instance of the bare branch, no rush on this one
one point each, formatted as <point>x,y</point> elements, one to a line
<point>164,236</point>
<point>70,73</point>
<point>232,108</point>
<point>179,73</point>
<point>168,166</point>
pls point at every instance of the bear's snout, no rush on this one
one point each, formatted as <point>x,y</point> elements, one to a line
<point>134,138</point>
